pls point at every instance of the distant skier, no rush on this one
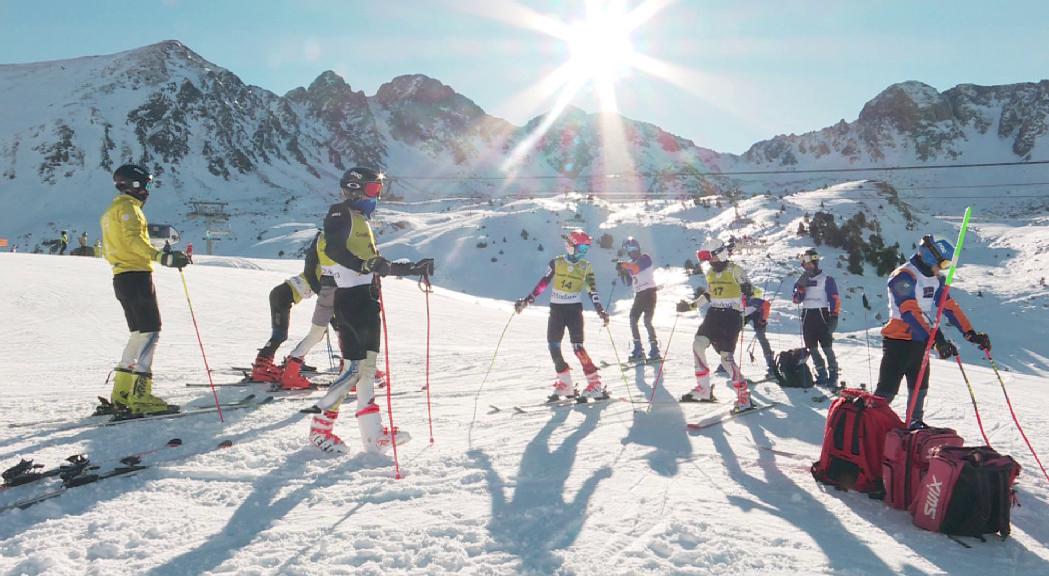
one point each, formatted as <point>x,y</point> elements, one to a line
<point>817,293</point>
<point>569,275</point>
<point>63,243</point>
<point>727,286</point>
<point>127,248</point>
<point>282,297</point>
<point>639,273</point>
<point>322,284</point>
<point>358,266</point>
<point>83,241</point>
<point>757,315</point>
<point>914,291</point>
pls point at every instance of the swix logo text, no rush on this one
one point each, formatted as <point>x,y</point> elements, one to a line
<point>932,498</point>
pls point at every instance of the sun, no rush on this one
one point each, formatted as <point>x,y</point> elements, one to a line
<point>600,47</point>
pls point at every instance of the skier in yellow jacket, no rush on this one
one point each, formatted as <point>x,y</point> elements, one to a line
<point>127,248</point>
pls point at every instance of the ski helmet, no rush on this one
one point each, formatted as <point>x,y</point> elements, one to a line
<point>710,250</point>
<point>577,244</point>
<point>810,255</point>
<point>133,180</point>
<point>935,254</point>
<point>631,246</point>
<point>362,187</point>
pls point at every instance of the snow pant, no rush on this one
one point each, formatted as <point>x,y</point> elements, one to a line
<point>138,298</point>
<point>281,301</point>
<point>903,358</point>
<point>815,328</point>
<point>62,249</point>
<point>567,316</point>
<point>759,334</point>
<point>721,327</point>
<point>360,328</point>
<point>644,303</point>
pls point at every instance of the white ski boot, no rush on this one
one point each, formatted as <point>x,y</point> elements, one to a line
<point>377,439</point>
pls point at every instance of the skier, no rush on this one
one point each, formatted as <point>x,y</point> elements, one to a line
<point>914,294</point>
<point>639,273</point>
<point>570,275</point>
<point>63,241</point>
<point>324,286</point>
<point>127,248</point>
<point>282,297</point>
<point>727,286</point>
<point>817,293</point>
<point>351,245</point>
<point>83,242</point>
<point>757,315</point>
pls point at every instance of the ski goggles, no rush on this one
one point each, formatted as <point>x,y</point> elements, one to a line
<point>708,255</point>
<point>929,244</point>
<point>577,249</point>
<point>368,189</point>
<point>807,258</point>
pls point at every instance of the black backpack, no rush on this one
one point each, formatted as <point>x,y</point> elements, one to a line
<point>793,370</point>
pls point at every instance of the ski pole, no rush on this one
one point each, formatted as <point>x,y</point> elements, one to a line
<point>630,393</point>
<point>424,283</point>
<point>867,338</point>
<point>659,373</point>
<point>389,382</point>
<point>331,354</point>
<point>972,396</point>
<point>994,366</point>
<point>469,435</point>
<point>185,288</point>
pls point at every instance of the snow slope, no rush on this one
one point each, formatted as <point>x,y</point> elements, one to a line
<point>589,490</point>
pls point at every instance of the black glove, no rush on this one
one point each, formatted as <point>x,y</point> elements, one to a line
<point>832,323</point>
<point>523,303</point>
<point>378,265</point>
<point>173,259</point>
<point>604,316</point>
<point>946,349</point>
<point>684,306</point>
<point>423,267</point>
<point>981,339</point>
<point>760,323</point>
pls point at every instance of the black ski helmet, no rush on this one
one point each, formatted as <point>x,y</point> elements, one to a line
<point>355,183</point>
<point>133,180</point>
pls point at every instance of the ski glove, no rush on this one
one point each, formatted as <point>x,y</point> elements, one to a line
<point>384,267</point>
<point>523,303</point>
<point>981,339</point>
<point>684,306</point>
<point>173,259</point>
<point>423,267</point>
<point>946,349</point>
<point>604,316</point>
<point>832,323</point>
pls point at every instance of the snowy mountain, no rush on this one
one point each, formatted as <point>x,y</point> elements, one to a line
<point>594,490</point>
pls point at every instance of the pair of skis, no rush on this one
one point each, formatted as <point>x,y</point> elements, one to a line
<point>82,473</point>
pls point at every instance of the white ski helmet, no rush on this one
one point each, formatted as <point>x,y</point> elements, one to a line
<point>710,250</point>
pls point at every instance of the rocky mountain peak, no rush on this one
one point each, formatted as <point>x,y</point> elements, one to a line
<point>907,106</point>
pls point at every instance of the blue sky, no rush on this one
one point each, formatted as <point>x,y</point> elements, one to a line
<point>755,69</point>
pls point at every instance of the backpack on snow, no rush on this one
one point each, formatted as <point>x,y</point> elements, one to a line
<point>854,441</point>
<point>793,369</point>
<point>966,492</point>
<point>907,454</point>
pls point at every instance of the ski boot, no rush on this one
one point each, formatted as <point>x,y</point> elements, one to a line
<point>322,436</point>
<point>704,390</point>
<point>637,355</point>
<point>742,397</point>
<point>563,386</point>
<point>594,389</point>
<point>264,370</point>
<point>380,378</point>
<point>821,377</point>
<point>653,352</point>
<point>142,402</point>
<point>377,438</point>
<point>721,370</point>
<point>123,380</point>
<point>291,377</point>
<point>832,379</point>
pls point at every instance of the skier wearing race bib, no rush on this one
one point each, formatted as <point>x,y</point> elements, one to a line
<point>127,248</point>
<point>639,273</point>
<point>568,276</point>
<point>350,244</point>
<point>817,293</point>
<point>914,291</point>
<point>727,287</point>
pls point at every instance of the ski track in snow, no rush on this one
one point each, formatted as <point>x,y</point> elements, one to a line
<point>581,490</point>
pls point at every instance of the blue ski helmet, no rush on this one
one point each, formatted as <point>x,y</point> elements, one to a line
<point>631,246</point>
<point>935,254</point>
